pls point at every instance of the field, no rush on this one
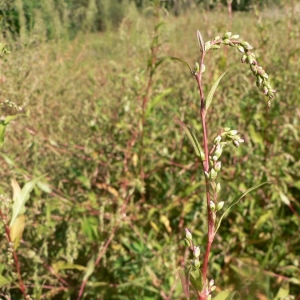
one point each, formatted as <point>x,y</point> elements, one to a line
<point>120,179</point>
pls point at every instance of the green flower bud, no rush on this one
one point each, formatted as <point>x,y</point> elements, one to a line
<point>218,151</point>
<point>207,45</point>
<point>244,58</point>
<point>267,84</point>
<point>235,143</point>
<point>226,129</point>
<point>235,37</point>
<point>212,206</point>
<point>218,166</point>
<point>246,45</point>
<point>213,185</point>
<point>196,67</point>
<point>220,205</point>
<point>251,60</point>
<point>213,174</point>
<point>188,235</point>
<point>254,69</point>
<point>196,252</point>
<point>233,132</point>
<point>217,38</point>
<point>187,243</point>
<point>215,158</point>
<point>196,264</point>
<point>227,35</point>
<point>215,47</point>
<point>218,139</point>
<point>203,68</point>
<point>226,42</point>
<point>258,81</point>
<point>241,49</point>
<point>218,188</point>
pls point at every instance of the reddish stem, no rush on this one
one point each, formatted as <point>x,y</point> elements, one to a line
<point>210,216</point>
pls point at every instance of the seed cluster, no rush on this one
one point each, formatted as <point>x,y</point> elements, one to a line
<point>262,78</point>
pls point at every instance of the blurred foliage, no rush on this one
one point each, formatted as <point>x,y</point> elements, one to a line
<point>83,102</point>
<point>26,19</point>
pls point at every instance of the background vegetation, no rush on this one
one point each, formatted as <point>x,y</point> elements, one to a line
<point>120,188</point>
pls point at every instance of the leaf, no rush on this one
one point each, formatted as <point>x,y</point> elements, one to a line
<point>62,265</point>
<point>283,292</point>
<point>191,137</point>
<point>3,124</point>
<point>212,91</point>
<point>89,269</point>
<point>262,219</point>
<point>225,295</point>
<point>21,197</point>
<point>183,61</point>
<point>4,281</point>
<point>17,229</point>
<point>196,279</point>
<point>237,200</point>
<point>284,199</point>
<point>200,41</point>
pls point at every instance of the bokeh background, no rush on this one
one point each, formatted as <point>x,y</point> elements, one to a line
<point>122,181</point>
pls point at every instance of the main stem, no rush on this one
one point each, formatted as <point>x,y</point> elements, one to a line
<point>210,217</point>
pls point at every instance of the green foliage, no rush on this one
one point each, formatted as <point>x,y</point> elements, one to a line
<point>82,99</point>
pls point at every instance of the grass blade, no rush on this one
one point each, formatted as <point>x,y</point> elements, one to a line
<point>212,91</point>
<point>237,200</point>
<point>191,136</point>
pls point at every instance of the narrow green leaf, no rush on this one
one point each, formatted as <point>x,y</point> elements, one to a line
<point>21,197</point>
<point>237,200</point>
<point>4,281</point>
<point>196,279</point>
<point>212,91</point>
<point>62,265</point>
<point>225,295</point>
<point>89,269</point>
<point>183,61</point>
<point>191,137</point>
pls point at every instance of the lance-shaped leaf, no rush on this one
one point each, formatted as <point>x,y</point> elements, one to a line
<point>200,41</point>
<point>20,197</point>
<point>198,150</point>
<point>212,92</point>
<point>183,61</point>
<point>237,200</point>
<point>89,269</point>
<point>17,229</point>
<point>196,279</point>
